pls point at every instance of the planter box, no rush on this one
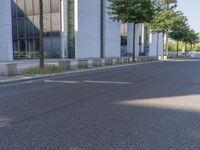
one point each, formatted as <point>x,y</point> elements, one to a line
<point>109,61</point>
<point>68,64</point>
<point>8,69</point>
<point>127,60</point>
<point>98,62</point>
<point>85,63</point>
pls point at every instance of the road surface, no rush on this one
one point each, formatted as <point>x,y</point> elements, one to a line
<point>153,106</point>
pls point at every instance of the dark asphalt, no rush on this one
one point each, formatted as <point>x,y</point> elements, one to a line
<point>146,107</point>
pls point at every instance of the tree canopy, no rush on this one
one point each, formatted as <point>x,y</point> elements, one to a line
<point>133,11</point>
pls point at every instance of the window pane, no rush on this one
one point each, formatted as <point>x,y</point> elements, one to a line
<point>37,44</point>
<point>46,5</point>
<point>21,27</point>
<point>36,7</point>
<point>55,24</point>
<point>29,7</point>
<point>29,26</point>
<point>47,27</point>
<point>55,6</point>
<point>36,26</point>
<point>20,8</point>
<point>14,7</point>
<point>14,28</point>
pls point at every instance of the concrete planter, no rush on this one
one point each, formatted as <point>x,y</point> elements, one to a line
<point>8,69</point>
<point>98,62</point>
<point>127,60</point>
<point>146,58</point>
<point>85,63</point>
<point>119,60</point>
<point>68,64</point>
<point>109,61</point>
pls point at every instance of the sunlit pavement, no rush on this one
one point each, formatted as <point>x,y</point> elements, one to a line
<point>146,107</point>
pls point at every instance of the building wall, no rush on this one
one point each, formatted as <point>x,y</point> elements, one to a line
<point>112,46</point>
<point>87,25</point>
<point>155,44</point>
<point>130,39</point>
<point>6,51</point>
<point>87,29</point>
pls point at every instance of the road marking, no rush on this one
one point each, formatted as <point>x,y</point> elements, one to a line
<point>57,81</point>
<point>87,81</point>
<point>106,82</point>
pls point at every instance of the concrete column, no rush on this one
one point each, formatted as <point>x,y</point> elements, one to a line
<point>167,43</point>
<point>137,35</point>
<point>112,47</point>
<point>6,48</point>
<point>142,42</point>
<point>64,29</point>
<point>130,38</point>
<point>155,44</point>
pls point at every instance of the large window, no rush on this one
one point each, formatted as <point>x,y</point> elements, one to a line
<point>26,28</point>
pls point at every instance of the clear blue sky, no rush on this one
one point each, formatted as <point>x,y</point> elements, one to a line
<point>191,9</point>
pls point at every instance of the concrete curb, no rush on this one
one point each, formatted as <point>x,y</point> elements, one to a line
<point>38,77</point>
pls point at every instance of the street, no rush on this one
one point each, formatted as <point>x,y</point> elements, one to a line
<point>154,106</point>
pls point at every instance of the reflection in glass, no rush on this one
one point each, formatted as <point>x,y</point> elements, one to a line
<point>26,27</point>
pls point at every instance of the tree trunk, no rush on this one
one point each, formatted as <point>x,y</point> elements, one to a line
<point>185,49</point>
<point>133,55</point>
<point>41,53</point>
<point>163,44</point>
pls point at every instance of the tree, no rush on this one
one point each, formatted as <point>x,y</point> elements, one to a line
<point>133,11</point>
<point>179,29</point>
<point>163,21</point>
<point>41,53</point>
<point>191,37</point>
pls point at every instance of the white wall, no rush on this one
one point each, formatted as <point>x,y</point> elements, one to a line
<point>64,29</point>
<point>6,50</point>
<point>112,46</point>
<point>155,44</point>
<point>130,39</point>
<point>87,29</point>
<point>137,34</point>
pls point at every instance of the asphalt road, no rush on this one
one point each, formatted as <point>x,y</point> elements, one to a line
<point>145,107</point>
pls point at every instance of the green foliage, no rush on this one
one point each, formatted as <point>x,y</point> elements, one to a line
<point>180,27</point>
<point>163,21</point>
<point>129,11</point>
<point>46,70</point>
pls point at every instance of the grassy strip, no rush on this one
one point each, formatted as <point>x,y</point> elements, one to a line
<point>46,70</point>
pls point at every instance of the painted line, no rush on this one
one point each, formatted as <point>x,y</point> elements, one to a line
<point>106,82</point>
<point>57,81</point>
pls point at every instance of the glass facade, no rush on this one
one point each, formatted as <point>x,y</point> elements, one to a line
<point>26,26</point>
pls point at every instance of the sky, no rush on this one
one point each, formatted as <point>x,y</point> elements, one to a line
<point>191,9</point>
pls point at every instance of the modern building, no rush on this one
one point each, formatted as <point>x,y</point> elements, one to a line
<point>72,29</point>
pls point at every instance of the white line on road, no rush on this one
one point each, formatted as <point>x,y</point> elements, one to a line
<point>57,81</point>
<point>107,82</point>
<point>87,81</point>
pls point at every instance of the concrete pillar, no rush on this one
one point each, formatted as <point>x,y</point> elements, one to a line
<point>155,44</point>
<point>64,29</point>
<point>6,48</point>
<point>130,38</point>
<point>142,40</point>
<point>137,35</point>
